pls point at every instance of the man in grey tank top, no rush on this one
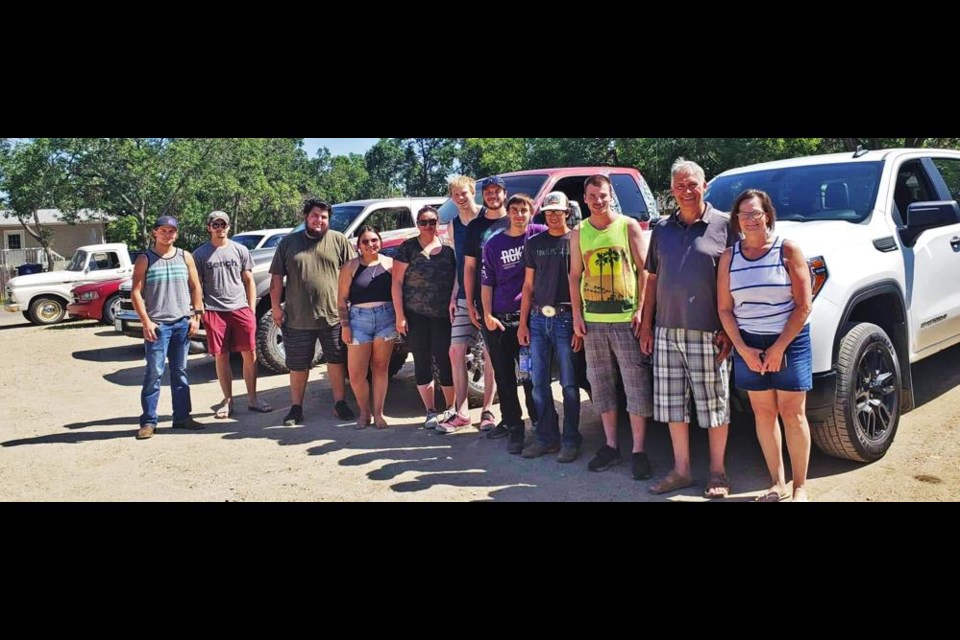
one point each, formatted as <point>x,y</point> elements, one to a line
<point>165,284</point>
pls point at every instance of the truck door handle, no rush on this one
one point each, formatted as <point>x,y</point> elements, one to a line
<point>955,242</point>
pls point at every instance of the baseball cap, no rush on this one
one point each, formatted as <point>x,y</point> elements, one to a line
<point>166,221</point>
<point>495,181</point>
<point>218,215</point>
<point>555,201</point>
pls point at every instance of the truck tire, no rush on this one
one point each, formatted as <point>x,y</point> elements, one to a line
<point>866,411</point>
<point>270,352</point>
<point>50,310</point>
<point>110,308</point>
<point>475,366</point>
<point>397,360</point>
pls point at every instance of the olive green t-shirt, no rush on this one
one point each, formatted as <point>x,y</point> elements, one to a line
<point>312,267</point>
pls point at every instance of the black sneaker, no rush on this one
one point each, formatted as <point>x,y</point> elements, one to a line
<point>294,417</point>
<point>641,467</point>
<point>515,447</point>
<point>499,431</point>
<point>190,424</point>
<point>606,457</point>
<point>343,411</point>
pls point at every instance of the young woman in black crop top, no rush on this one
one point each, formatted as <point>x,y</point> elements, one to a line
<point>368,324</point>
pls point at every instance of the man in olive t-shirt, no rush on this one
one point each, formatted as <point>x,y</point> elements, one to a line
<point>311,261</point>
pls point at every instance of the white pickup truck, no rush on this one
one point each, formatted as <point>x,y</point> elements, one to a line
<point>43,297</point>
<point>881,230</point>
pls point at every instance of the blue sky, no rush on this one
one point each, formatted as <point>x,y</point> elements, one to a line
<point>338,146</point>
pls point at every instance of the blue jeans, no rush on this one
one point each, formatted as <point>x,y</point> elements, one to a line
<point>172,343</point>
<point>550,338</point>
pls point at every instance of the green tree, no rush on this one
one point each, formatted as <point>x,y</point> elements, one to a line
<point>34,175</point>
<point>426,164</point>
<point>341,178</point>
<point>478,157</point>
<point>385,168</point>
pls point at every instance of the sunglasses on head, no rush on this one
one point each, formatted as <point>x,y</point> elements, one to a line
<point>429,222</point>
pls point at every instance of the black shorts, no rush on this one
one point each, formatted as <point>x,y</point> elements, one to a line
<point>300,346</point>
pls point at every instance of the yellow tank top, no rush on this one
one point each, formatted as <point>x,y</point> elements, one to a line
<point>609,283</point>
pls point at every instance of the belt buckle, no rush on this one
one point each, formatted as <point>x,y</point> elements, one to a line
<point>547,311</point>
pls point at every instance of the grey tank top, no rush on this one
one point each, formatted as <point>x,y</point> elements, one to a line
<point>166,290</point>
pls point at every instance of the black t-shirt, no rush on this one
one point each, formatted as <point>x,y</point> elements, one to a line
<point>549,256</point>
<point>479,231</point>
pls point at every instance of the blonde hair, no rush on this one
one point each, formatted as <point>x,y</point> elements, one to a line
<point>461,182</point>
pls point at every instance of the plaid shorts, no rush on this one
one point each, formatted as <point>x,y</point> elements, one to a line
<point>685,365</point>
<point>612,347</point>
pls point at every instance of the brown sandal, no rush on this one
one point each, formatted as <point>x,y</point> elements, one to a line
<point>671,482</point>
<point>717,487</point>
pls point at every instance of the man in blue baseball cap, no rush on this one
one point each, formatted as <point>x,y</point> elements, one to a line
<point>165,285</point>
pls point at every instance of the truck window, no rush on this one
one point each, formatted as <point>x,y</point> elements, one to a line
<point>950,172</point>
<point>631,199</point>
<point>104,260</point>
<point>390,219</point>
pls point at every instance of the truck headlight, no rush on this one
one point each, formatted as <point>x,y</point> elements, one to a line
<point>818,274</point>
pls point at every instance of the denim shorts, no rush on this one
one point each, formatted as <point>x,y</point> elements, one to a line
<point>373,323</point>
<point>797,376</point>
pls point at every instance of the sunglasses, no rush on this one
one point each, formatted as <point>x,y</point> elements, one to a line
<point>219,225</point>
<point>432,222</point>
<point>751,215</point>
<point>370,241</point>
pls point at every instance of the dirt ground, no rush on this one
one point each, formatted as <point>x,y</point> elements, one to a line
<point>71,401</point>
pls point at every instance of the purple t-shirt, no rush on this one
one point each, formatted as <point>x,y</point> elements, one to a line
<point>503,268</point>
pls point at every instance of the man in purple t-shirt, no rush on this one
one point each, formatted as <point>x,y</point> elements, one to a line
<point>501,288</point>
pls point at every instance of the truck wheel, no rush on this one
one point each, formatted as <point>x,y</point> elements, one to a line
<point>397,361</point>
<point>270,351</point>
<point>44,311</point>
<point>475,374</point>
<point>110,309</point>
<point>866,411</point>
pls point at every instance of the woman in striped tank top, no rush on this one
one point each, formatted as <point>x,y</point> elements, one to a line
<point>764,297</point>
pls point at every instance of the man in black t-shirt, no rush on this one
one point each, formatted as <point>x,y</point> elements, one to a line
<point>546,324</point>
<point>491,220</point>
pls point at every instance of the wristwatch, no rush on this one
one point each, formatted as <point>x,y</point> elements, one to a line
<point>198,312</point>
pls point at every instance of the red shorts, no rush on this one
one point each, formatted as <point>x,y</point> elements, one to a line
<point>230,331</point>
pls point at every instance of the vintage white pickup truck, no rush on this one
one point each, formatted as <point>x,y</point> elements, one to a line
<point>43,297</point>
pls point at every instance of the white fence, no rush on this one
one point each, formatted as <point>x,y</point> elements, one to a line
<point>10,259</point>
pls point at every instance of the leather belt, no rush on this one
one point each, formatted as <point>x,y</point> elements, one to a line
<point>548,311</point>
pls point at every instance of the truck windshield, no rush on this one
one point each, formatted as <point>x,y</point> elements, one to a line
<point>343,215</point>
<point>838,191</point>
<point>78,262</point>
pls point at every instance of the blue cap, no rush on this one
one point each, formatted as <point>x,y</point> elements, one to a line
<point>166,221</point>
<point>495,181</point>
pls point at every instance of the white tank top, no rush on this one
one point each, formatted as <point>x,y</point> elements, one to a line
<point>762,291</point>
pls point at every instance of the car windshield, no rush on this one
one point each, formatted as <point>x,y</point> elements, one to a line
<point>249,240</point>
<point>78,262</point>
<point>528,184</point>
<point>839,191</point>
<point>343,215</point>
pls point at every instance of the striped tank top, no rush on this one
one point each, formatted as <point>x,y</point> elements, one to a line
<point>762,291</point>
<point>608,286</point>
<point>166,288</point>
